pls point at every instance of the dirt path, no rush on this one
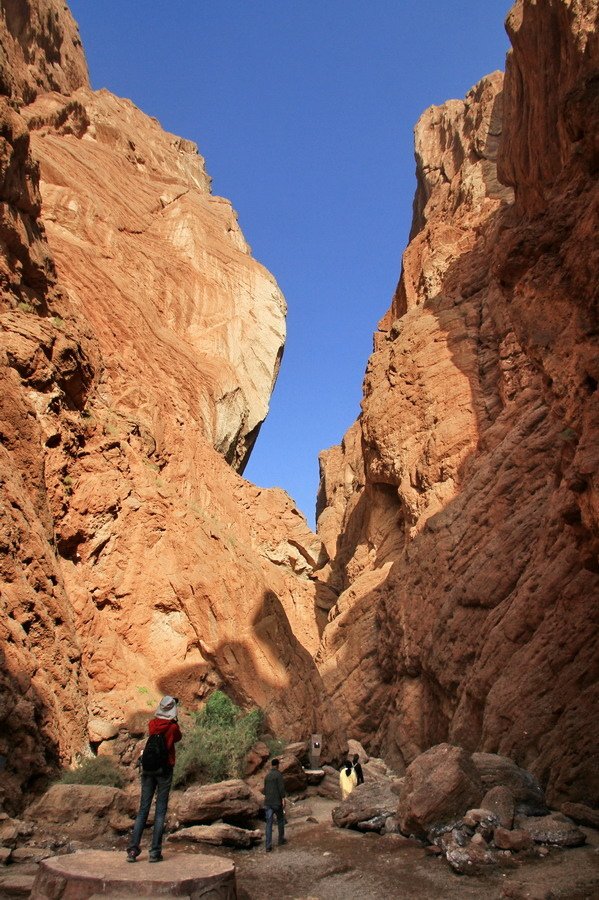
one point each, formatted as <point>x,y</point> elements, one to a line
<point>322,862</point>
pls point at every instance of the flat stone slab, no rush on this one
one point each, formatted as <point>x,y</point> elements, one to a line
<point>81,875</point>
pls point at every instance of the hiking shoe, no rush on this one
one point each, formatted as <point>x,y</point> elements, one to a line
<point>132,854</point>
<point>156,857</point>
<point>284,841</point>
<point>269,849</point>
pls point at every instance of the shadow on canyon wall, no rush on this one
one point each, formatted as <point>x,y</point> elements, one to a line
<point>290,693</point>
<point>486,623</point>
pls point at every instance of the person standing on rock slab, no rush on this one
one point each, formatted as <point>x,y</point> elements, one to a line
<point>347,779</point>
<point>274,804</point>
<point>157,764</point>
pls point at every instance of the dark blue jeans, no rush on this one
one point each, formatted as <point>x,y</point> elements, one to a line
<point>161,784</point>
<point>271,812</point>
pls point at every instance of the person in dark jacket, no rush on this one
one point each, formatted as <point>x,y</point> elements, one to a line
<point>274,803</point>
<point>165,723</point>
<point>358,768</point>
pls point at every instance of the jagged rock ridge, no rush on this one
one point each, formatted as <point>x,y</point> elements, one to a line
<point>463,504</point>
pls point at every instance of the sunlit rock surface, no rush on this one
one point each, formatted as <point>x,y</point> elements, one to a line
<point>140,344</point>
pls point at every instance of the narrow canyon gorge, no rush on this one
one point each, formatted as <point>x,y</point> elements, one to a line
<point>451,590</point>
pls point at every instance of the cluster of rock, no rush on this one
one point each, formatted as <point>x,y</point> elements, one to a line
<point>478,809</point>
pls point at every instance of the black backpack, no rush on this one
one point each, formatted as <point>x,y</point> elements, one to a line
<point>154,758</point>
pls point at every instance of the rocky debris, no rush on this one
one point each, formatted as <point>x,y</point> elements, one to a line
<point>13,829</point>
<point>555,829</point>
<point>439,786</point>
<point>86,810</point>
<point>218,834</point>
<point>103,872</point>
<point>233,801</point>
<point>367,802</point>
<point>581,814</point>
<point>467,857</point>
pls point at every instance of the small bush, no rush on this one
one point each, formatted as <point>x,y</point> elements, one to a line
<point>94,770</point>
<point>216,745</point>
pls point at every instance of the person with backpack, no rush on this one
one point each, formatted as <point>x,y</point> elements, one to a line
<point>157,764</point>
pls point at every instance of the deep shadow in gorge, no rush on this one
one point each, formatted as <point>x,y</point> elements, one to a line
<point>485,627</point>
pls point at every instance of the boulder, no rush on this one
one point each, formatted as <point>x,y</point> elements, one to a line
<point>500,801</point>
<point>219,835</point>
<point>299,749</point>
<point>5,853</point>
<point>107,874</point>
<point>512,840</point>
<point>293,773</point>
<point>314,776</point>
<point>581,813</point>
<point>354,747</point>
<point>256,757</point>
<point>230,800</point>
<point>16,886</point>
<point>329,786</point>
<point>439,786</point>
<point>366,802</point>
<point>85,809</point>
<point>101,730</point>
<point>554,829</point>
<point>496,770</point>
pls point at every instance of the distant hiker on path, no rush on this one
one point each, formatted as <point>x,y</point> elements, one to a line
<point>274,803</point>
<point>157,764</point>
<point>358,768</point>
<point>347,779</point>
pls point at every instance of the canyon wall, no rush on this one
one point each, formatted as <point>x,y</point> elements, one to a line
<point>461,512</point>
<point>140,344</point>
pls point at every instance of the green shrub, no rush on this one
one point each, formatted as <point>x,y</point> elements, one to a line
<point>275,745</point>
<point>216,745</point>
<point>94,770</point>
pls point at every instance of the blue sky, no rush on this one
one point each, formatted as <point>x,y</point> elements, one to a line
<point>304,110</point>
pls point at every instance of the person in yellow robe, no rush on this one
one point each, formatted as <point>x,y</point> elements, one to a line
<point>347,779</point>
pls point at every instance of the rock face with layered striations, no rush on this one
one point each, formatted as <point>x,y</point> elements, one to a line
<point>140,343</point>
<point>467,552</point>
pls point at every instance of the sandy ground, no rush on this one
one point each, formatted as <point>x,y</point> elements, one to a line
<point>321,862</point>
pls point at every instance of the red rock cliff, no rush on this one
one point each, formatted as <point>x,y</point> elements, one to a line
<point>467,551</point>
<point>140,344</point>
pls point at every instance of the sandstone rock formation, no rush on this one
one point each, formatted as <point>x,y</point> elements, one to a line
<point>461,510</point>
<point>140,344</point>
